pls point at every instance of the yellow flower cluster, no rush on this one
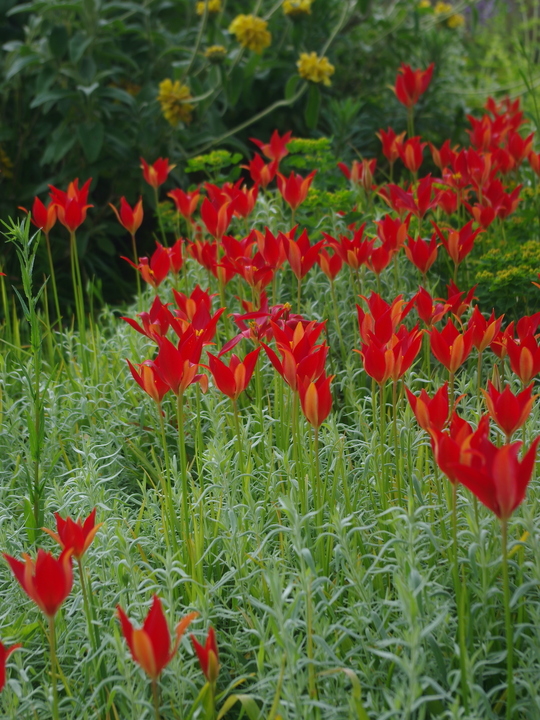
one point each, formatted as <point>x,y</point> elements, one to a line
<point>314,68</point>
<point>6,164</point>
<point>424,4</point>
<point>297,7</point>
<point>215,53</point>
<point>443,8</point>
<point>455,21</point>
<point>172,98</point>
<point>251,32</point>
<point>213,6</point>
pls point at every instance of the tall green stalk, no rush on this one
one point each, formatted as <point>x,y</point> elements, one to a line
<point>459,604</point>
<point>510,692</point>
<point>52,647</point>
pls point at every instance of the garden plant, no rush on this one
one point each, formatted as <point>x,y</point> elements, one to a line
<point>296,475</point>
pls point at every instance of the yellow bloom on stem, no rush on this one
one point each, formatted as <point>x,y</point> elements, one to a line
<point>423,5</point>
<point>297,7</point>
<point>314,68</point>
<point>215,53</point>
<point>455,21</point>
<point>172,98</point>
<point>213,6</point>
<point>251,32</point>
<point>441,8</point>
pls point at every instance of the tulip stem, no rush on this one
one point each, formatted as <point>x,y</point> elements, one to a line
<point>155,696</point>
<point>79,298</point>
<point>160,221</point>
<point>168,479</point>
<point>318,479</point>
<point>459,605</point>
<point>299,296</point>
<point>297,454</point>
<point>410,121</point>
<point>396,442</point>
<point>338,326</point>
<point>382,431</point>
<point>52,645</point>
<point>137,273</point>
<point>183,467</point>
<point>510,692</point>
<point>239,446</point>
<point>53,281</point>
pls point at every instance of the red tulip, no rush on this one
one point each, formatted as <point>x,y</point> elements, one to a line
<point>150,381</point>
<point>186,203</point>
<point>156,174</point>
<point>497,478</point>
<point>294,189</point>
<point>360,173</point>
<point>429,311</point>
<point>452,446</point>
<point>484,331</point>
<point>392,232</point>
<point>155,270</point>
<point>301,255</point>
<point>150,646</point>
<point>458,243</point>
<point>47,581</point>
<point>444,156</point>
<point>382,319</point>
<point>155,323</point>
<point>177,365</point>
<point>75,535</point>
<point>130,218</point>
<point>390,144</point>
<point>329,264</point>
<point>411,153</point>
<point>262,174</point>
<point>43,217</point>
<point>509,411</point>
<point>5,652</point>
<point>276,149</point>
<point>233,380</point>
<point>208,656</point>
<point>302,361</point>
<point>411,84</point>
<point>450,347</point>
<point>421,253</point>
<point>431,413</point>
<point>524,357</point>
<point>217,215</point>
<point>353,251</point>
<point>195,311</point>
<point>71,206</point>
<point>316,399</point>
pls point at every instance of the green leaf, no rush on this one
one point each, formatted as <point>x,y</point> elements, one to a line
<point>51,95</point>
<point>235,83</point>
<point>29,520</point>
<point>290,87</point>
<point>78,45</point>
<point>249,706</point>
<point>23,61</point>
<point>91,139</point>
<point>311,112</point>
<point>58,41</point>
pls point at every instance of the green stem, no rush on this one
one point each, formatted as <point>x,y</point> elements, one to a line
<point>160,221</point>
<point>459,604</point>
<point>510,693</point>
<point>183,467</point>
<point>137,273</point>
<point>53,281</point>
<point>382,432</point>
<point>168,479</point>
<point>155,697</point>
<point>52,646</point>
<point>299,296</point>
<point>396,442</point>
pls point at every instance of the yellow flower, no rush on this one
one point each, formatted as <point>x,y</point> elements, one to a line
<point>172,98</point>
<point>441,8</point>
<point>213,6</point>
<point>455,21</point>
<point>215,53</point>
<point>297,7</point>
<point>6,164</point>
<point>423,4</point>
<point>314,68</point>
<point>251,32</point>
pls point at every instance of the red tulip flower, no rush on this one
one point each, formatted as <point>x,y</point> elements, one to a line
<point>150,381</point>
<point>47,581</point>
<point>354,251</point>
<point>392,232</point>
<point>497,477</point>
<point>155,270</point>
<point>300,362</point>
<point>411,153</point>
<point>431,413</point>
<point>390,144</point>
<point>411,84</point>
<point>156,174</point>
<point>130,218</point>
<point>217,215</point>
<point>208,656</point>
<point>177,365</point>
<point>421,253</point>
<point>444,156</point>
<point>276,149</point>
<point>150,646</point>
<point>294,189</point>
<point>186,203</point>
<point>458,243</point>
<point>5,652</point>
<point>234,379</point>
<point>484,331</point>
<point>301,255</point>
<point>71,206</point>
<point>524,357</point>
<point>383,318</point>
<point>261,173</point>
<point>452,446</point>
<point>360,173</point>
<point>330,264</point>
<point>316,399</point>
<point>75,535</point>
<point>43,217</point>
<point>509,411</point>
<point>450,347</point>
<point>429,311</point>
